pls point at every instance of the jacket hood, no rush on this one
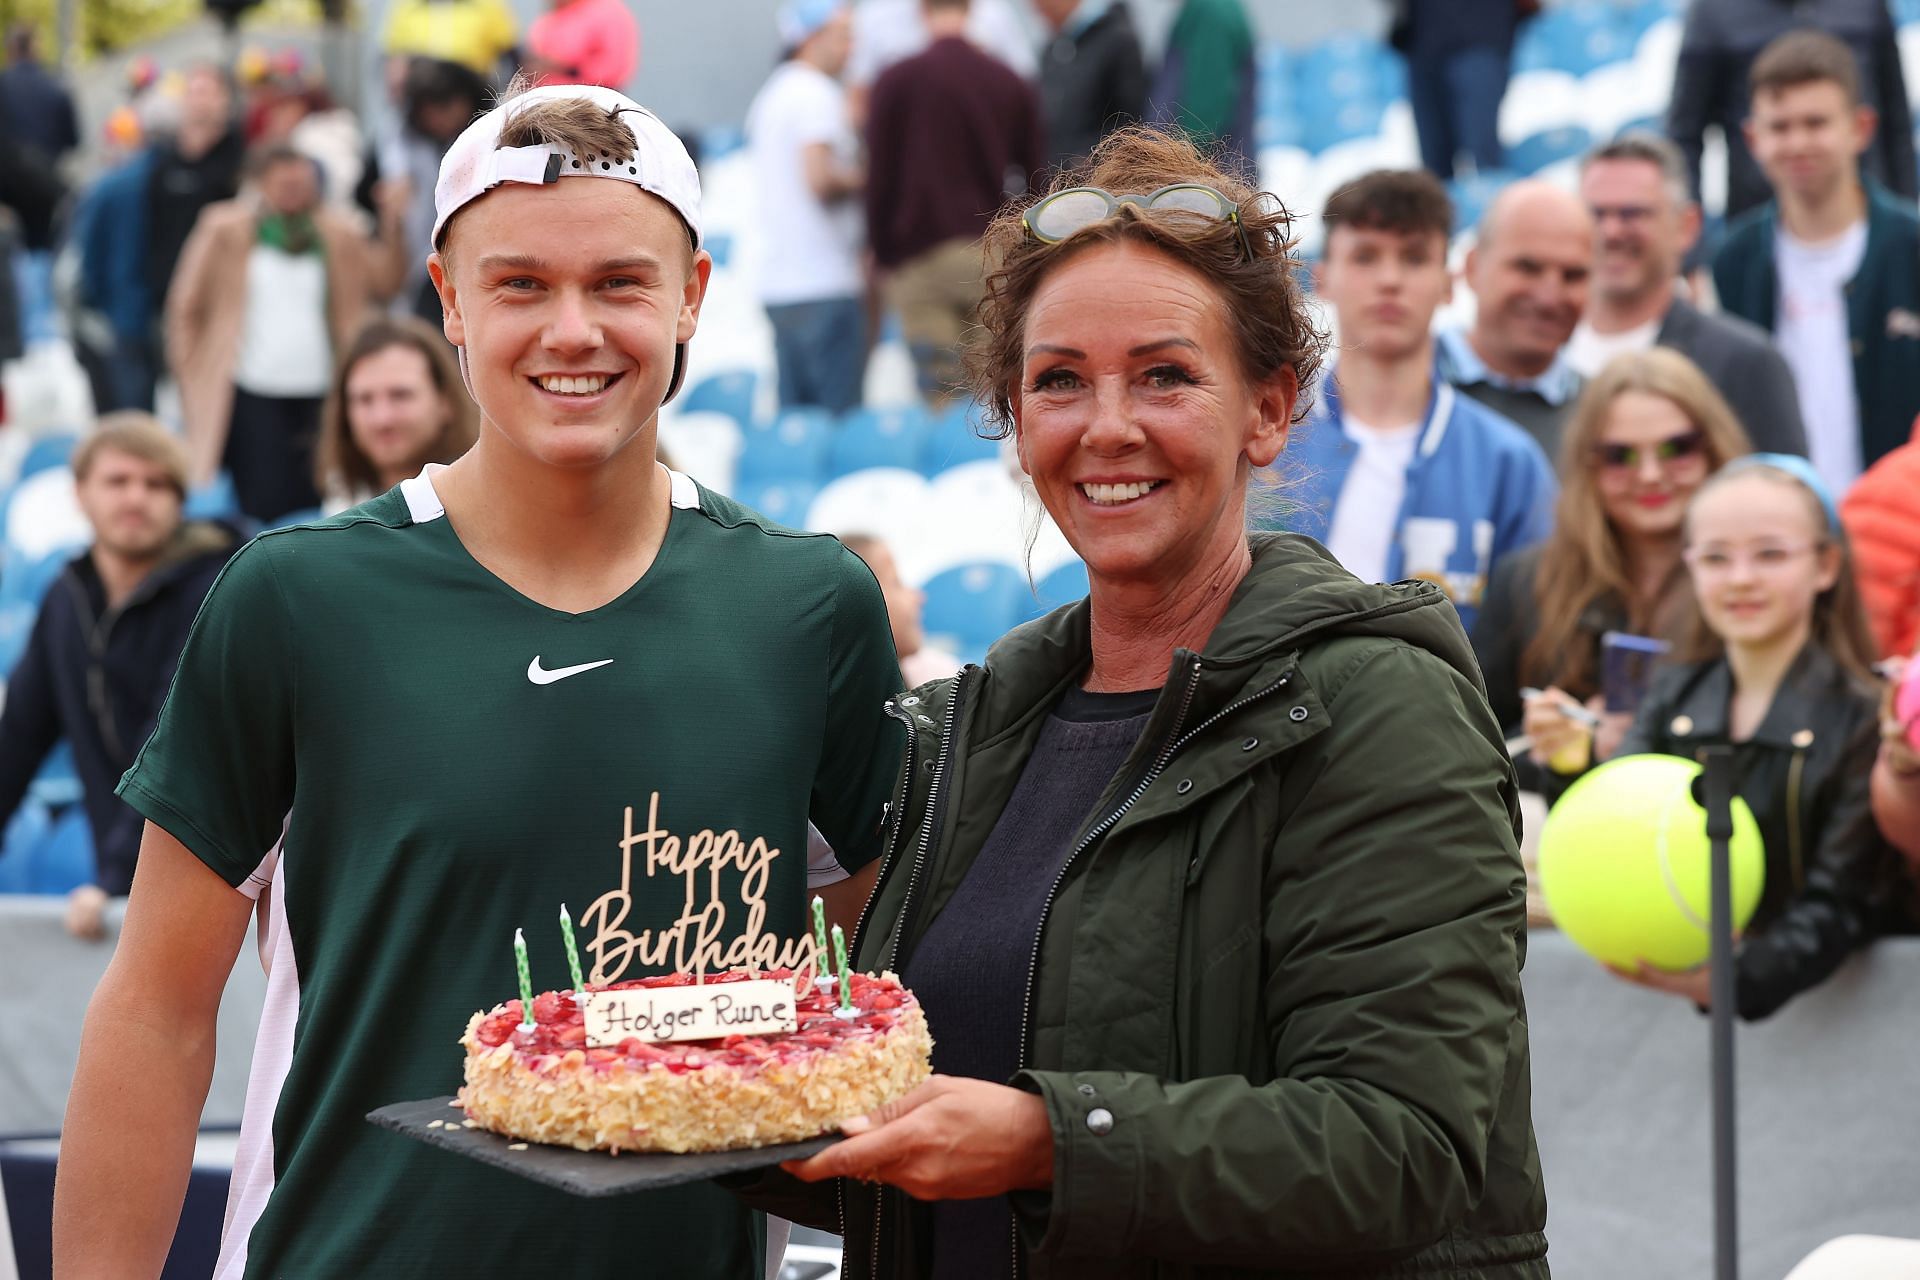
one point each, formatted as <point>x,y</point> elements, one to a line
<point>192,543</point>
<point>1295,595</point>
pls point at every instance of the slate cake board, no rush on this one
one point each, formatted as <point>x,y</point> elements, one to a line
<point>583,1173</point>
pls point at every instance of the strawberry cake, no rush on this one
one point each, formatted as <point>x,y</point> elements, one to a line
<point>548,1085</point>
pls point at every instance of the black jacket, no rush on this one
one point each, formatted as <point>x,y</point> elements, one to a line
<point>1740,361</point>
<point>1831,880</point>
<point>1091,82</point>
<point>97,677</point>
<point>1722,39</point>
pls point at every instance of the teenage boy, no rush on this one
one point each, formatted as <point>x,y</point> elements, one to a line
<point>551,672</point>
<point>1831,265</point>
<point>1400,475</point>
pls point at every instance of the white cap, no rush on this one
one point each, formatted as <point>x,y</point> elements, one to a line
<point>476,163</point>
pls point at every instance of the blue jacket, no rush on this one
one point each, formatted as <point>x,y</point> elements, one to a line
<point>97,676</point>
<point>1478,488</point>
<point>110,230</point>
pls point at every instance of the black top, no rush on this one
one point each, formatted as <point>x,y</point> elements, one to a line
<point>1831,880</point>
<point>951,133</point>
<point>179,189</point>
<point>1742,363</point>
<point>970,971</point>
<point>1092,81</point>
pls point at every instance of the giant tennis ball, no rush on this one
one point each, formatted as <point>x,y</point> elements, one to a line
<point>1624,864</point>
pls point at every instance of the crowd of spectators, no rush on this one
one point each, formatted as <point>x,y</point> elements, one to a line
<point>1548,460</point>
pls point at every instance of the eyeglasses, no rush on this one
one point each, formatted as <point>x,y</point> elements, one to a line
<point>1066,213</point>
<point>1626,457</point>
<point>1718,562</point>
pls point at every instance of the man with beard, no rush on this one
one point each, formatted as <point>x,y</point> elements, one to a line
<point>1528,270</point>
<point>1644,226</point>
<point>107,640</point>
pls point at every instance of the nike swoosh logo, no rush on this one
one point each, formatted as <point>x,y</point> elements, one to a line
<point>540,675</point>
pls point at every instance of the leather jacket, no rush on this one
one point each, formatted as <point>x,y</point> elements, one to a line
<point>1831,879</point>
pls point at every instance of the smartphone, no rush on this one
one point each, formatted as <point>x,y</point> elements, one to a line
<point>1626,668</point>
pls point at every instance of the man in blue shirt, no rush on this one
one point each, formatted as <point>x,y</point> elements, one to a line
<point>1394,470</point>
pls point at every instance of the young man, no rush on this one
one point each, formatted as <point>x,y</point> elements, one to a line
<point>1398,474</point>
<point>1831,266</point>
<point>1529,270</point>
<point>807,163</point>
<point>1644,226</point>
<point>551,672</point>
<point>107,639</point>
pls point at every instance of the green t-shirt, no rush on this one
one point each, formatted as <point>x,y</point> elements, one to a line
<point>449,761</point>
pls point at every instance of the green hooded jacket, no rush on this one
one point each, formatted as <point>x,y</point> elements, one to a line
<point>1274,1008</point>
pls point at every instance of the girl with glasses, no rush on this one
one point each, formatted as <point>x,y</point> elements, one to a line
<point>1644,436</point>
<point>1777,662</point>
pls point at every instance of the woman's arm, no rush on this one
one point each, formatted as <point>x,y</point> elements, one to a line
<point>1848,881</point>
<point>1393,941</point>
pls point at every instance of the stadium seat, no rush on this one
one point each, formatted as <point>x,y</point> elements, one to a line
<point>1063,586</point>
<point>62,861</point>
<point>1332,122</point>
<point>47,453</point>
<point>792,447</point>
<point>1537,101</point>
<point>1618,93</point>
<point>214,501</point>
<point>1343,67</point>
<point>893,504</point>
<point>1531,155</point>
<point>953,439</point>
<point>1576,37</point>
<point>58,782</point>
<point>876,438</point>
<point>976,511</point>
<point>730,393</point>
<point>970,606</point>
<point>783,501</point>
<point>705,446</point>
<point>1472,195</point>
<point>1906,12</point>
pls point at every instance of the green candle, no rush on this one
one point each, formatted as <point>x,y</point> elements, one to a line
<point>526,979</point>
<point>840,967</point>
<point>573,955</point>
<point>820,929</point>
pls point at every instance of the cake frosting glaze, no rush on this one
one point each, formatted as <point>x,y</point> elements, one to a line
<point>548,1085</point>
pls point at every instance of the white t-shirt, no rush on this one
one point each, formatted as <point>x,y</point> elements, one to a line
<point>809,250</point>
<point>1589,352</point>
<point>1811,332</point>
<point>890,31</point>
<point>285,347</point>
<point>1366,515</point>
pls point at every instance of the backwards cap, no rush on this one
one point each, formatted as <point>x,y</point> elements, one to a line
<point>476,163</point>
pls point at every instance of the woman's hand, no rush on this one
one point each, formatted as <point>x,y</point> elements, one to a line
<point>950,1139</point>
<point>1612,731</point>
<point>1695,984</point>
<point>1547,723</point>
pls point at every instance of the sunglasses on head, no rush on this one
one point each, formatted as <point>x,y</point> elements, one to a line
<point>1065,213</point>
<point>1626,457</point>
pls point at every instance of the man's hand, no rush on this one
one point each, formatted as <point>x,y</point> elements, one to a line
<point>950,1139</point>
<point>86,909</point>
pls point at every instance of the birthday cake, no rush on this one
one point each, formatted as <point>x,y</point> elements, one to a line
<point>565,1080</point>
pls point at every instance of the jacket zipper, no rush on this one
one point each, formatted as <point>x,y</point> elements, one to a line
<point>906,902</point>
<point>1175,741</point>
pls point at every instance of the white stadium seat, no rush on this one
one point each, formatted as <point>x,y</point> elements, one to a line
<point>1537,101</point>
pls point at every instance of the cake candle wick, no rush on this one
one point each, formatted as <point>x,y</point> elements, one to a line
<point>840,967</point>
<point>822,978</point>
<point>573,953</point>
<point>526,980</point>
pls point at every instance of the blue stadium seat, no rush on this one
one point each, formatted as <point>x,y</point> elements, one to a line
<point>1576,38</point>
<point>1531,155</point>
<point>877,438</point>
<point>58,782</point>
<point>1906,12</point>
<point>719,142</point>
<point>1472,195</point>
<point>972,605</point>
<point>720,246</point>
<point>1341,121</point>
<point>19,840</point>
<point>215,501</point>
<point>783,501</point>
<point>63,859</point>
<point>46,453</point>
<point>1062,586</point>
<point>25,578</point>
<point>953,438</point>
<point>730,393</point>
<point>1341,67</point>
<point>793,446</point>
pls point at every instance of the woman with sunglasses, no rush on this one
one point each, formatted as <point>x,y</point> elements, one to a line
<point>1207,883</point>
<point>1777,663</point>
<point>1644,436</point>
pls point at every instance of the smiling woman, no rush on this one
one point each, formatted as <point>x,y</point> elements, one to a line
<point>1159,909</point>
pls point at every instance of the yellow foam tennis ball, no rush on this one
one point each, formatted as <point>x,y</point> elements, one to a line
<point>1624,863</point>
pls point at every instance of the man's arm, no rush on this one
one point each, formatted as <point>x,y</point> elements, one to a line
<point>127,1144</point>
<point>827,176</point>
